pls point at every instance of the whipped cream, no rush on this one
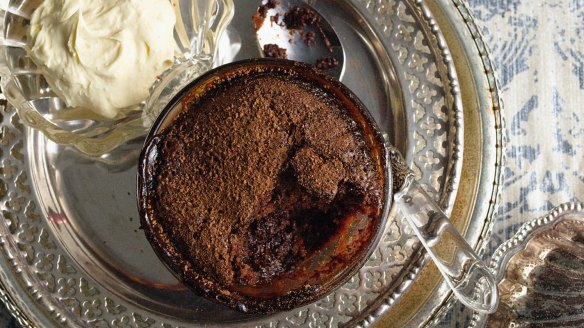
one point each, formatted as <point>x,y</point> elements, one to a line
<point>102,55</point>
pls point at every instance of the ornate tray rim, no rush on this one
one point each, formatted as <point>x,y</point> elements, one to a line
<point>16,308</point>
<point>444,12</point>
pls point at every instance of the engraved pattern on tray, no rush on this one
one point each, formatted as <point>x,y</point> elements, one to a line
<point>434,124</point>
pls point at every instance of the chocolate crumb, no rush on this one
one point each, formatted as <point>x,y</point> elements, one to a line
<point>270,4</point>
<point>309,38</point>
<point>275,19</point>
<point>326,62</point>
<point>257,20</point>
<point>325,39</point>
<point>274,51</point>
<point>297,18</point>
<point>260,15</point>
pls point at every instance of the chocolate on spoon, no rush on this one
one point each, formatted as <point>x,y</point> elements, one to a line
<point>295,30</point>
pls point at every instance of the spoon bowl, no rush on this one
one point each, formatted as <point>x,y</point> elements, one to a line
<point>306,36</point>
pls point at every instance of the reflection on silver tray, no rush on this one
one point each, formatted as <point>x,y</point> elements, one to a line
<point>73,253</point>
<point>541,273</point>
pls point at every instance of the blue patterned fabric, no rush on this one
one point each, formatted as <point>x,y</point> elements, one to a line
<point>6,319</point>
<point>538,49</point>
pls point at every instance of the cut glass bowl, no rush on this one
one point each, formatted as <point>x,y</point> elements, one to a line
<point>199,25</point>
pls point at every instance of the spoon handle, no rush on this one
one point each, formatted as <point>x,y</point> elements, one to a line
<point>468,277</point>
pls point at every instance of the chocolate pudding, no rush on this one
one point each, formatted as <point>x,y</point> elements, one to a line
<point>260,173</point>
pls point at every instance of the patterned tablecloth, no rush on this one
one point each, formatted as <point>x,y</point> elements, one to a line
<point>538,48</point>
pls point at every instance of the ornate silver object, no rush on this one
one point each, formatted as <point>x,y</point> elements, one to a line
<point>72,251</point>
<point>540,272</point>
<point>465,273</point>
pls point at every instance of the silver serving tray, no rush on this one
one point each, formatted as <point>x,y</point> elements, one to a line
<point>72,251</point>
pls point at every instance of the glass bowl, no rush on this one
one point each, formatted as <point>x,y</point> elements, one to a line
<point>199,25</point>
<point>540,273</point>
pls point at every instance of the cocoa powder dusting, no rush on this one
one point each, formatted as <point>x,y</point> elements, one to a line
<point>258,174</point>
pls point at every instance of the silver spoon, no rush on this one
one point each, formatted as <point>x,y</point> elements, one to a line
<point>468,277</point>
<point>274,30</point>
